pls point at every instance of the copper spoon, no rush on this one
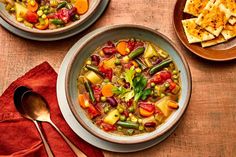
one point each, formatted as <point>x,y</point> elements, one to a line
<point>37,108</point>
<point>17,101</point>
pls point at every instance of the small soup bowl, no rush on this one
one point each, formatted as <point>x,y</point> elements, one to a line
<point>4,14</point>
<point>115,33</point>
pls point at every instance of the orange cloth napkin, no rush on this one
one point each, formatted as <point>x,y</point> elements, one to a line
<point>19,136</point>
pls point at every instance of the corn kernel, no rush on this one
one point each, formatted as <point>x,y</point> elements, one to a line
<point>19,19</point>
<point>32,3</point>
<point>134,119</point>
<point>101,53</point>
<point>44,16</point>
<point>127,50</point>
<point>138,70</point>
<point>40,13</point>
<point>140,121</point>
<point>89,62</point>
<point>126,59</point>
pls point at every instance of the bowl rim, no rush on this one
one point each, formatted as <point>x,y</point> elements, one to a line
<point>75,24</point>
<point>111,28</point>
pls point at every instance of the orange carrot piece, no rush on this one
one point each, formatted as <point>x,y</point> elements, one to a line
<point>82,6</point>
<point>34,7</point>
<point>144,112</point>
<point>122,48</point>
<point>107,90</point>
<point>83,100</point>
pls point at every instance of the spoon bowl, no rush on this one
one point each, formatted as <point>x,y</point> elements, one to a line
<point>18,94</point>
<point>36,107</point>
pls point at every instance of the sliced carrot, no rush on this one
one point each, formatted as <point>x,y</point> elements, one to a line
<point>144,112</point>
<point>34,7</point>
<point>173,105</point>
<point>42,26</point>
<point>83,100</point>
<point>122,48</point>
<point>107,90</point>
<point>82,6</point>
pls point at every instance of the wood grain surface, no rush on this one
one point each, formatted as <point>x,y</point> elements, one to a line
<point>209,125</point>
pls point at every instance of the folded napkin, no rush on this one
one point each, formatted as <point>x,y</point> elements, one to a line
<point>19,136</point>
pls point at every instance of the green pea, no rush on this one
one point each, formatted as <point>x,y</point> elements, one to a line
<point>141,128</point>
<point>106,80</point>
<point>122,118</point>
<point>167,85</point>
<point>106,109</point>
<point>117,62</point>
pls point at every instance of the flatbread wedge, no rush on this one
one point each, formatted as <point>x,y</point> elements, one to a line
<point>232,20</point>
<point>217,40</point>
<point>194,32</point>
<point>195,7</point>
<point>214,17</point>
<point>229,31</point>
<point>231,5</point>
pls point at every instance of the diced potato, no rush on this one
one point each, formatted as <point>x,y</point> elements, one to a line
<point>176,89</point>
<point>160,118</point>
<point>110,63</point>
<point>147,62</point>
<point>150,52</point>
<point>162,53</point>
<point>20,10</point>
<point>163,106</point>
<point>93,77</point>
<point>112,117</point>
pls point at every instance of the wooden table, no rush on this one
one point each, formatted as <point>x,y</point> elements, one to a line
<point>209,125</point>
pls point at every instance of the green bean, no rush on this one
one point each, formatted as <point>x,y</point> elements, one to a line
<point>141,64</point>
<point>129,125</point>
<point>94,69</point>
<point>158,67</point>
<point>136,53</point>
<point>57,22</point>
<point>89,90</point>
<point>61,5</point>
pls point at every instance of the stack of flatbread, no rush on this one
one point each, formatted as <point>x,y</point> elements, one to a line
<point>214,21</point>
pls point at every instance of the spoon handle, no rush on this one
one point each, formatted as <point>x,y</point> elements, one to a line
<point>78,152</point>
<point>48,150</point>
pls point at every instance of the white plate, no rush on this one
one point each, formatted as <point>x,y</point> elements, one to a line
<point>70,33</point>
<point>78,129</point>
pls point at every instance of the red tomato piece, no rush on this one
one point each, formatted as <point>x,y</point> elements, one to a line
<point>31,17</point>
<point>93,112</point>
<point>147,106</point>
<point>161,77</point>
<point>107,72</point>
<point>172,84</point>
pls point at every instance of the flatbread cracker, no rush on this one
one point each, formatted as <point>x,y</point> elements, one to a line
<point>194,32</point>
<point>229,31</point>
<point>214,17</point>
<point>217,40</point>
<point>232,20</point>
<point>195,7</point>
<point>231,5</point>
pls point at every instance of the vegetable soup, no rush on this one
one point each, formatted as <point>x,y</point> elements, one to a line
<point>129,87</point>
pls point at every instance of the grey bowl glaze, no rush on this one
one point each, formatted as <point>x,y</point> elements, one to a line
<point>115,33</point>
